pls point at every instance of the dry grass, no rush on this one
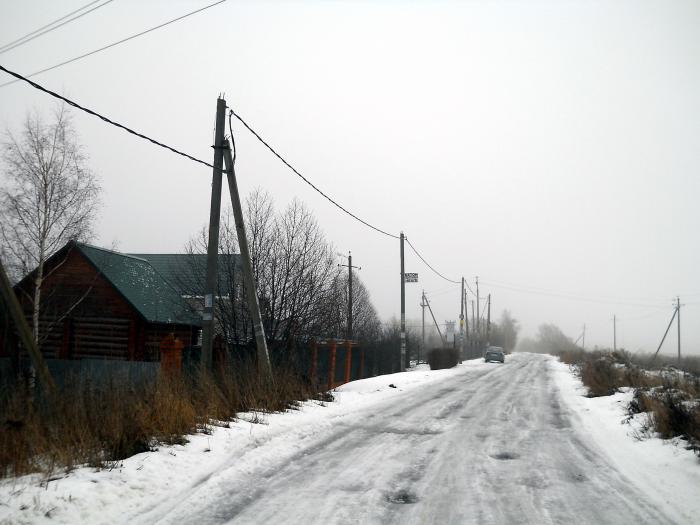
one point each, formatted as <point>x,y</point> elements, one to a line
<point>672,412</point>
<point>98,425</point>
<point>669,396</point>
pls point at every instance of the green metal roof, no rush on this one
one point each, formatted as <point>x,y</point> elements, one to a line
<point>187,272</point>
<point>142,286</point>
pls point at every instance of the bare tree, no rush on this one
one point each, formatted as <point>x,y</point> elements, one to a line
<point>294,267</point>
<point>366,323</point>
<point>298,279</point>
<point>49,196</point>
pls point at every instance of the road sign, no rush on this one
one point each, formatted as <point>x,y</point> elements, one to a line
<point>410,277</point>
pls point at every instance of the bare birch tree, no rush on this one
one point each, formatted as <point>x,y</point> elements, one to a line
<point>48,196</point>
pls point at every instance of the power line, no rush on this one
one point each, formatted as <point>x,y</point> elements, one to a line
<point>469,287</point>
<point>74,59</point>
<point>48,25</point>
<point>307,181</point>
<point>178,152</point>
<point>440,291</point>
<point>655,313</point>
<point>102,117</point>
<point>36,34</point>
<point>567,296</point>
<point>428,264</point>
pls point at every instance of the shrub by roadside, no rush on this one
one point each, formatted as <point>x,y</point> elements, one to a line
<point>439,358</point>
<point>670,397</point>
<point>673,410</point>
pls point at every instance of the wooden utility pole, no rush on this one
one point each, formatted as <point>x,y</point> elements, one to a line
<point>248,279</point>
<point>13,312</point>
<point>213,245</point>
<point>614,333</point>
<point>402,366</point>
<point>583,342</point>
<point>349,266</point>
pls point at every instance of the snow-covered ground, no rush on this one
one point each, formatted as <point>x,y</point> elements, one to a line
<point>666,472</point>
<point>480,443</point>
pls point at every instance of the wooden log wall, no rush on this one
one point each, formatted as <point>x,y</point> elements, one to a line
<point>101,324</point>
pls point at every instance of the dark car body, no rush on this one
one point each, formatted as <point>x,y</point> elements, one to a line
<point>494,353</point>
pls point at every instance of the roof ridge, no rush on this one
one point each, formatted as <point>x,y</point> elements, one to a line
<point>114,252</point>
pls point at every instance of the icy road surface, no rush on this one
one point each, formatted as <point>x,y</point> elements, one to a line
<point>494,444</point>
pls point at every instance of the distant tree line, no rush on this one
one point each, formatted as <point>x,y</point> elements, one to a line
<point>504,333</point>
<point>549,340</point>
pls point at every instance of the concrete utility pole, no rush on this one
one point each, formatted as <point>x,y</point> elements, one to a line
<point>422,333</point>
<point>349,266</point>
<point>461,322</point>
<point>248,279</point>
<point>614,333</point>
<point>676,309</point>
<point>213,245</point>
<point>465,305</point>
<point>437,326</point>
<point>478,329</point>
<point>678,321</point>
<point>488,321</point>
<point>473,322</point>
<point>402,366</point>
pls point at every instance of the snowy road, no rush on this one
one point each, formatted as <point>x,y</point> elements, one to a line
<point>491,444</point>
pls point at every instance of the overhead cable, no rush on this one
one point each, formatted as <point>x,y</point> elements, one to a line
<point>307,181</point>
<point>49,24</point>
<point>428,264</point>
<point>564,295</point>
<point>47,28</point>
<point>469,287</point>
<point>640,317</point>
<point>102,117</point>
<point>116,43</point>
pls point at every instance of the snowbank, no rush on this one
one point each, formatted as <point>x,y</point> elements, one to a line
<point>139,488</point>
<point>146,486</point>
<point>662,469</point>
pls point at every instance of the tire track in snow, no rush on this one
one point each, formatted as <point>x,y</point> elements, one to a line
<point>492,445</point>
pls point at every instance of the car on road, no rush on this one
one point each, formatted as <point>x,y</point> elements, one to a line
<point>494,353</point>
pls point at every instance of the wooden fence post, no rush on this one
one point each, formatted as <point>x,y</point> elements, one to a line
<point>348,357</point>
<point>331,365</point>
<point>171,354</point>
<point>362,363</point>
<point>314,356</point>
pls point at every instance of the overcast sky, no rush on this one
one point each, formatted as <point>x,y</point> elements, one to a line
<point>551,148</point>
